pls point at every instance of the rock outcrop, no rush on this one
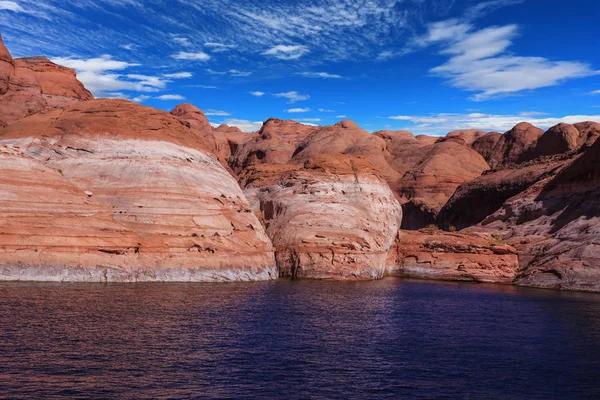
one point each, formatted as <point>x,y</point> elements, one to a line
<point>34,85</point>
<point>469,136</point>
<point>433,254</point>
<point>429,185</point>
<point>560,139</point>
<point>158,180</point>
<point>473,201</point>
<point>555,226</point>
<point>215,141</point>
<point>485,144</point>
<point>514,146</point>
<point>332,218</point>
<point>275,143</point>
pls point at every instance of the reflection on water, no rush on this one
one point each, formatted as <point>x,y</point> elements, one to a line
<point>306,339</point>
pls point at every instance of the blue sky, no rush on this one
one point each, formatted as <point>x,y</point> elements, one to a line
<point>429,66</point>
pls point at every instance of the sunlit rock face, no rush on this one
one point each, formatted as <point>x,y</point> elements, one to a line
<point>332,217</point>
<point>158,182</point>
<point>33,85</point>
<point>434,254</point>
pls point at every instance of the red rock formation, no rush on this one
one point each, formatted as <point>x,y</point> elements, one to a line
<point>469,136</point>
<point>154,174</point>
<point>589,130</point>
<point>485,144</point>
<point>473,201</point>
<point>429,185</point>
<point>333,218</point>
<point>555,226</point>
<point>34,85</point>
<point>514,145</point>
<point>560,139</point>
<point>275,143</point>
<point>216,142</point>
<point>433,254</point>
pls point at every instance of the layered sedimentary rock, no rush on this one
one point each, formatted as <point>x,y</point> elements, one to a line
<point>34,85</point>
<point>560,139</point>
<point>555,225</point>
<point>469,136</point>
<point>52,230</point>
<point>155,176</point>
<point>433,254</point>
<point>215,141</point>
<point>514,146</point>
<point>332,218</point>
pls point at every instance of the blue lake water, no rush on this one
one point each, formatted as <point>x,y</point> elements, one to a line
<point>391,339</point>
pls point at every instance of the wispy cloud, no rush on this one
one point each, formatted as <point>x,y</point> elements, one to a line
<point>169,97</point>
<point>323,75</point>
<point>293,96</point>
<point>197,56</point>
<point>179,75</point>
<point>182,41</point>
<point>446,122</point>
<point>287,52</point>
<point>341,116</point>
<point>216,47</point>
<point>324,110</point>
<point>297,110</point>
<point>231,72</point>
<point>479,61</point>
<point>257,93</point>
<point>216,113</point>
<point>11,5</point>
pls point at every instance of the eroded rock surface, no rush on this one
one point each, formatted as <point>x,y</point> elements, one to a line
<point>158,180</point>
<point>332,218</point>
<point>433,254</point>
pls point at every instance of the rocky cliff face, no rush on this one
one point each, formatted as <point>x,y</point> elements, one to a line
<point>34,85</point>
<point>332,218</point>
<point>155,176</point>
<point>433,254</point>
<point>514,146</point>
<point>555,226</point>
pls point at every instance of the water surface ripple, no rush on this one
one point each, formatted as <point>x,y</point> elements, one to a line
<point>390,339</point>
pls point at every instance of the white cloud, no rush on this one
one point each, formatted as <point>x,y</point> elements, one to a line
<point>297,110</point>
<point>11,5</point>
<point>287,52</point>
<point>310,119</point>
<point>257,93</point>
<point>216,113</point>
<point>231,72</point>
<point>182,41</point>
<point>179,75</point>
<point>341,116</point>
<point>479,61</point>
<point>293,96</point>
<point>141,98</point>
<point>244,125</point>
<point>323,75</point>
<point>197,56</point>
<point>596,92</point>
<point>168,97</point>
<point>102,75</point>
<point>129,46</point>
<point>324,110</point>
<point>219,47</point>
<point>446,122</point>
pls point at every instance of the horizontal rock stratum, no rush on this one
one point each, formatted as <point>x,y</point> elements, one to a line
<point>182,216</point>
